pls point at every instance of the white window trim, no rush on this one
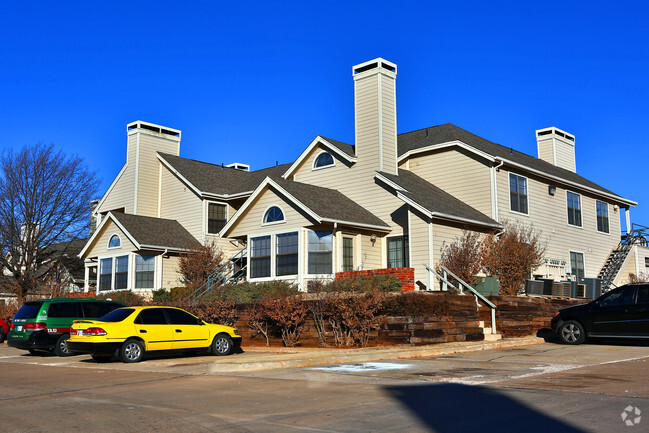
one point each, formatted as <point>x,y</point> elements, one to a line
<point>509,193</point>
<point>387,248</point>
<point>334,253</point>
<point>314,168</point>
<point>156,271</point>
<point>581,209</point>
<point>206,208</point>
<point>112,270</point>
<point>263,216</point>
<point>583,254</point>
<point>108,247</point>
<point>273,255</point>
<point>607,217</point>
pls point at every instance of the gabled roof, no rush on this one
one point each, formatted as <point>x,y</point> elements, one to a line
<point>433,201</point>
<point>421,140</point>
<point>148,232</point>
<point>342,150</point>
<point>323,205</point>
<point>217,180</point>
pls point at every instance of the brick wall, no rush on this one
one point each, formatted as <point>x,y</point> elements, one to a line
<point>406,276</point>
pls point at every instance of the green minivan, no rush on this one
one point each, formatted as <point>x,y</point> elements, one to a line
<point>44,326</point>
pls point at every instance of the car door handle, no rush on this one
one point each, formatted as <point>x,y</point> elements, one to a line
<point>178,330</point>
<point>142,331</point>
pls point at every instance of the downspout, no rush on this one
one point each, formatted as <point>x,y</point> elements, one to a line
<point>494,191</point>
<point>166,251</point>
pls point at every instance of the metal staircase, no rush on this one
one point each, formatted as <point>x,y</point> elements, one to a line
<point>615,260</point>
<point>231,272</point>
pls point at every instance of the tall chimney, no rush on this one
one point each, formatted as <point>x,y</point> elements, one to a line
<point>556,147</point>
<point>375,111</point>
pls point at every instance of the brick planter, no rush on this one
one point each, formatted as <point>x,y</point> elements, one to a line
<point>406,276</point>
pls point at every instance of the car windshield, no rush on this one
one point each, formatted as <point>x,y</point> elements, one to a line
<point>29,310</point>
<point>117,315</point>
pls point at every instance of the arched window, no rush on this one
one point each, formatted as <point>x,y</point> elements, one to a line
<point>274,214</point>
<point>114,242</point>
<point>323,160</point>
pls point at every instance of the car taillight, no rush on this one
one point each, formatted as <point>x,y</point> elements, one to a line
<point>36,325</point>
<point>94,332</point>
<point>11,325</point>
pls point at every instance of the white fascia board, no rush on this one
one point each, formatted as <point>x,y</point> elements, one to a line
<point>99,229</point>
<point>358,225</point>
<point>110,188</point>
<point>414,204</point>
<point>314,143</point>
<point>458,143</point>
<point>208,195</point>
<point>295,201</point>
<point>613,197</point>
<point>178,175</point>
<point>388,182</point>
<point>161,248</point>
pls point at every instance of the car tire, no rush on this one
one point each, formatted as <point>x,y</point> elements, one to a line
<point>101,358</point>
<point>221,345</point>
<point>572,332</point>
<point>131,351</point>
<point>2,335</point>
<point>61,348</point>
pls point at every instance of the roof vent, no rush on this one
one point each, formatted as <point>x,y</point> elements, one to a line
<point>153,127</point>
<point>239,166</point>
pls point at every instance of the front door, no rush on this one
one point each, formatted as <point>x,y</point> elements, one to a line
<point>188,333</point>
<point>151,325</point>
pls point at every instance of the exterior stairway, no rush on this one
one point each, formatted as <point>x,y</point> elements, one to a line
<point>231,272</point>
<point>488,333</point>
<point>617,257</point>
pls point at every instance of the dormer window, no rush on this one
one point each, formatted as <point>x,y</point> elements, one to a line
<point>273,215</point>
<point>114,242</point>
<point>323,160</point>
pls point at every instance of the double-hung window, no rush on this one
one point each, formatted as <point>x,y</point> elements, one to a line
<point>260,257</point>
<point>105,274</point>
<point>348,254</point>
<point>121,272</point>
<point>320,247</point>
<point>216,217</point>
<point>602,216</point>
<point>144,269</point>
<point>398,252</point>
<point>574,208</point>
<point>518,193</point>
<point>286,258</point>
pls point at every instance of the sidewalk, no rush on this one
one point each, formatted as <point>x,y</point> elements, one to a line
<point>264,358</point>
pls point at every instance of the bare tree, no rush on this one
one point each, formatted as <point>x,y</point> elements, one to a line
<point>44,198</point>
<point>197,265</point>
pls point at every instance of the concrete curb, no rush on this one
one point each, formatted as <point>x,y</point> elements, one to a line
<point>318,357</point>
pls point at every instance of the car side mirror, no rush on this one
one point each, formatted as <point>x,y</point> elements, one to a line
<point>199,322</point>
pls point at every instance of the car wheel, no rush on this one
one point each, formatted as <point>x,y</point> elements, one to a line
<point>2,335</point>
<point>61,348</point>
<point>221,345</point>
<point>102,358</point>
<point>131,351</point>
<point>572,332</point>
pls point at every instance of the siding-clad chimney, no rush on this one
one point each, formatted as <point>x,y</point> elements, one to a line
<point>557,147</point>
<point>375,111</point>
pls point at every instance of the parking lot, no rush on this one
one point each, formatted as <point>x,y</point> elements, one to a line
<point>541,387</point>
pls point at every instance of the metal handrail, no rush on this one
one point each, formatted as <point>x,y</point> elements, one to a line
<point>478,296</point>
<point>220,276</point>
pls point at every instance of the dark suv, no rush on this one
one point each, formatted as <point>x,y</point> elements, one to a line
<point>620,313</point>
<point>44,326</point>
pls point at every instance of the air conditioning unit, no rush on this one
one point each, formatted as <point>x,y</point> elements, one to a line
<point>562,289</point>
<point>534,287</point>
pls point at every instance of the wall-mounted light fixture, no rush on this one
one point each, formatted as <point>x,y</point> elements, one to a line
<point>552,189</point>
<point>373,239</point>
<point>615,208</point>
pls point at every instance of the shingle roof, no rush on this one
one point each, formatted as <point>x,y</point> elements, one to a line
<point>329,203</point>
<point>344,147</point>
<point>434,199</point>
<point>158,232</point>
<point>448,132</point>
<point>217,179</point>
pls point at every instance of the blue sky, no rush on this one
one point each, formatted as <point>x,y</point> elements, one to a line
<point>255,82</point>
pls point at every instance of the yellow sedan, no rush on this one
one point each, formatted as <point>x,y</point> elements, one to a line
<point>130,332</point>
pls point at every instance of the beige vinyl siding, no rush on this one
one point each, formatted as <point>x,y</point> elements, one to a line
<point>100,244</point>
<point>322,176</point>
<point>444,235</point>
<point>170,272</point>
<point>148,171</point>
<point>228,248</point>
<point>251,221</point>
<point>389,123</point>
<point>371,256</point>
<point>546,152</point>
<point>419,247</point>
<point>458,173</point>
<point>566,156</point>
<point>179,202</point>
<point>366,114</point>
<point>549,215</point>
<point>121,193</point>
<point>634,264</point>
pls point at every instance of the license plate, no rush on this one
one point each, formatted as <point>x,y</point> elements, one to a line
<point>19,328</point>
<point>79,332</point>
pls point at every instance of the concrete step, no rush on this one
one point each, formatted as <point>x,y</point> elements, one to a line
<point>492,337</point>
